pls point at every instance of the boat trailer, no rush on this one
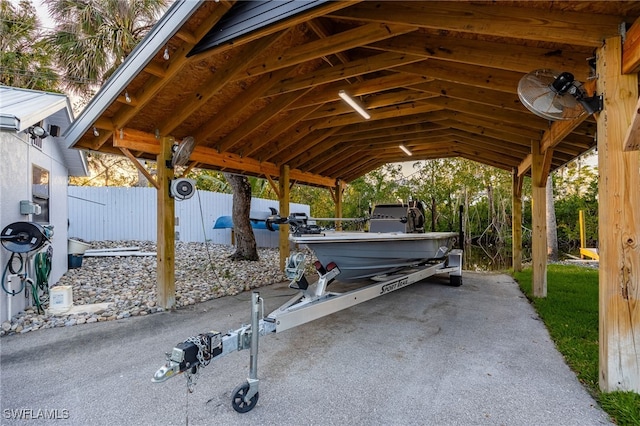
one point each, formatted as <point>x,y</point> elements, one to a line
<point>313,301</point>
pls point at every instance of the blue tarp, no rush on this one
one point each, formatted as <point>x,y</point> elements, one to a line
<point>226,222</point>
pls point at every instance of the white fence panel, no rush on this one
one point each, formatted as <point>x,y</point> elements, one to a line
<point>111,213</point>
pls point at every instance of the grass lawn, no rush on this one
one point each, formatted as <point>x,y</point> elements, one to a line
<point>570,312</point>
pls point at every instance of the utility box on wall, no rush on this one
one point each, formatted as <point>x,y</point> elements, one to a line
<point>28,207</point>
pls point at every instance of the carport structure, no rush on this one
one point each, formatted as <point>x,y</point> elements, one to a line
<point>257,85</point>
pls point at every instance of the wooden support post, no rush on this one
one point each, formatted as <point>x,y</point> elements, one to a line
<point>283,191</point>
<point>338,202</point>
<point>516,221</point>
<point>539,222</point>
<point>166,287</point>
<point>619,226</point>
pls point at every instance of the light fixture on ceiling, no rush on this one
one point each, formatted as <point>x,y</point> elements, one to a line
<point>405,149</point>
<point>353,104</point>
<point>96,133</point>
<point>166,54</point>
<point>127,97</point>
<point>37,132</point>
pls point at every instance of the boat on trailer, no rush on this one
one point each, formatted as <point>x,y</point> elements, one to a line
<point>391,258</point>
<point>396,239</point>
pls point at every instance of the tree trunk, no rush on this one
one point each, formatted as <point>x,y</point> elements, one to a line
<point>433,214</point>
<point>552,227</point>
<point>246,248</point>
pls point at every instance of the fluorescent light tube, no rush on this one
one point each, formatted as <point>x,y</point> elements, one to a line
<point>353,104</point>
<point>405,149</point>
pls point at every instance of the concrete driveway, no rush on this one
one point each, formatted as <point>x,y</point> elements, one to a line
<point>427,354</point>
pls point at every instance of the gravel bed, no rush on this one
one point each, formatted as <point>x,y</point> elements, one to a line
<point>128,283</point>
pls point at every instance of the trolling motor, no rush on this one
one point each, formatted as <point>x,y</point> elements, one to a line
<point>298,223</point>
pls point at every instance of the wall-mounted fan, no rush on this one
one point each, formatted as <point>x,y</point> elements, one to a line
<point>556,95</point>
<point>182,151</point>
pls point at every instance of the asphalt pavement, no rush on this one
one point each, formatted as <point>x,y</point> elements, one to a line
<point>427,354</point>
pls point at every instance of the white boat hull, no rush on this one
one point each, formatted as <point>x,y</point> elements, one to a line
<point>360,255</point>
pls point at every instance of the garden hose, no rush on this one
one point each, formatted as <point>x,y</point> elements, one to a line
<point>42,266</point>
<point>9,267</point>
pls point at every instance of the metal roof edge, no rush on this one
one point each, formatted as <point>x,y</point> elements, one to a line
<point>162,31</point>
<point>55,102</point>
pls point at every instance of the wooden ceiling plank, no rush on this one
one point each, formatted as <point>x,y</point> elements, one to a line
<point>490,144</point>
<point>495,98</point>
<point>491,18</point>
<point>395,122</point>
<point>333,44</point>
<point>483,123</point>
<point>631,49</point>
<point>380,114</point>
<point>239,103</point>
<point>257,120</point>
<point>399,138</point>
<point>419,127</point>
<point>327,93</point>
<point>321,30</point>
<point>495,113</point>
<point>371,102</point>
<point>176,63</point>
<point>482,77</point>
<point>322,156</point>
<point>213,84</point>
<point>501,55</point>
<point>288,154</point>
<point>249,148</point>
<point>372,64</point>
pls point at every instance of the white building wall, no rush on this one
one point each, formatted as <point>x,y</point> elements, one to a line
<point>110,213</point>
<point>17,158</point>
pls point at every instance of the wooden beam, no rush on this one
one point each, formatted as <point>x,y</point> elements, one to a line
<point>489,18</point>
<point>632,138</point>
<point>210,158</point>
<point>481,77</point>
<point>340,72</point>
<point>539,222</point>
<point>618,227</point>
<point>166,287</point>
<point>631,50</point>
<point>238,104</point>
<point>501,55</point>
<point>335,43</point>
<point>516,220</point>
<point>561,129</point>
<point>140,167</point>
<point>283,190</point>
<point>379,114</point>
<point>256,120</point>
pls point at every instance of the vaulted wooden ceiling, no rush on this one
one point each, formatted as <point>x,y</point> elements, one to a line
<point>439,77</point>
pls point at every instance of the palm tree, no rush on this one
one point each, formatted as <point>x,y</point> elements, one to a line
<point>25,59</point>
<point>93,37</point>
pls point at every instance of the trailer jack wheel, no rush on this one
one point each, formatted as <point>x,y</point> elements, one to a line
<point>455,280</point>
<point>237,401</point>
